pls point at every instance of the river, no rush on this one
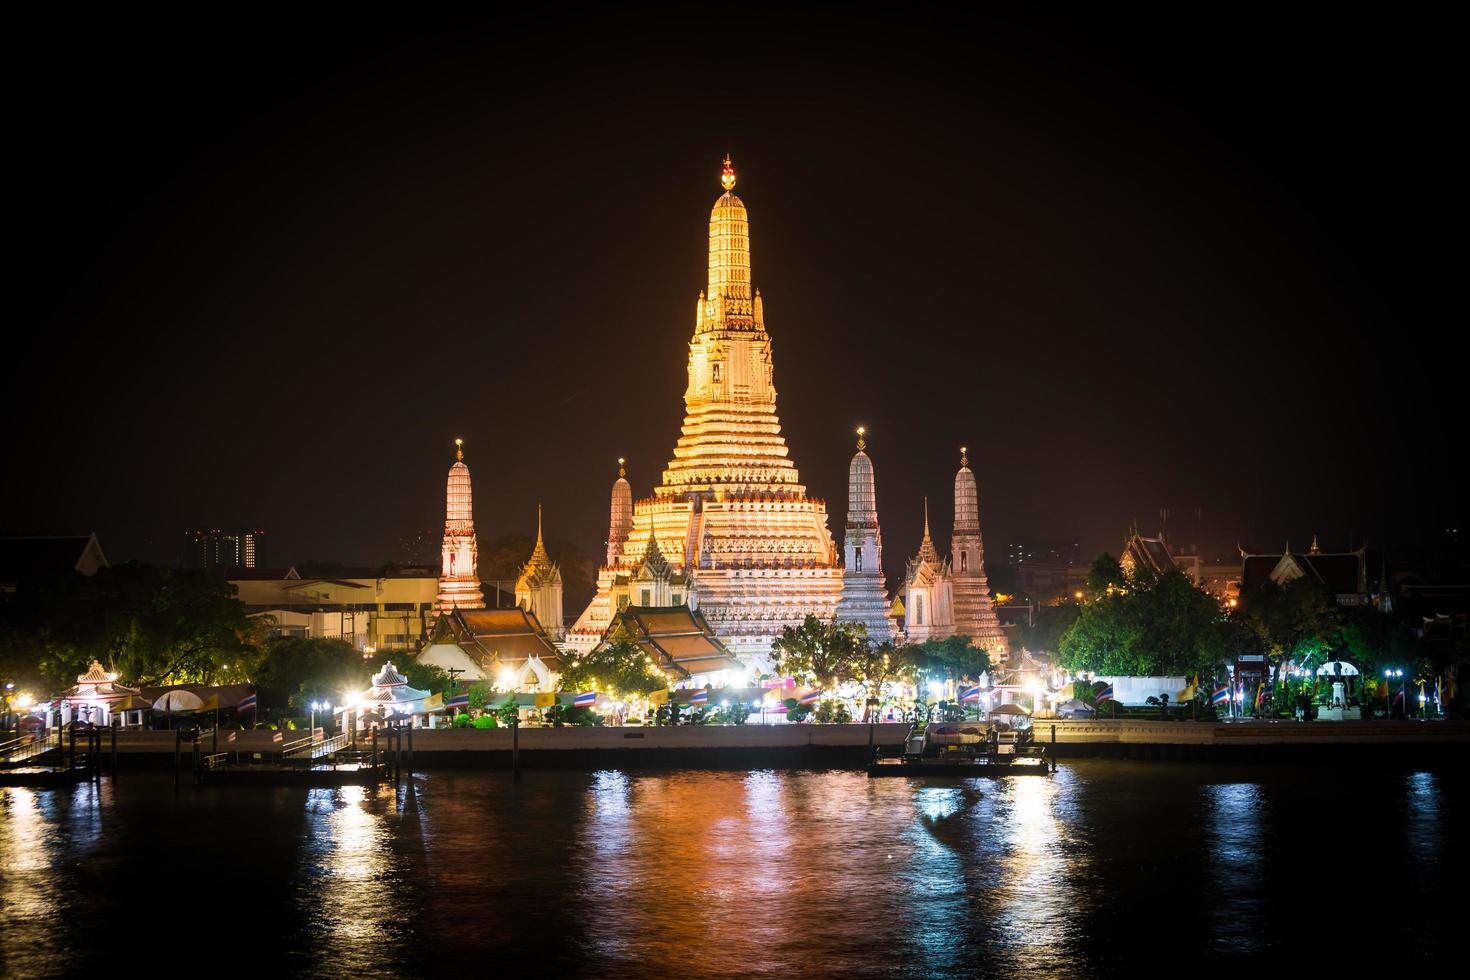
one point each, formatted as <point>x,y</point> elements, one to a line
<point>1107,867</point>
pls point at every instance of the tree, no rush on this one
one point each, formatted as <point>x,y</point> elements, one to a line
<point>1104,573</point>
<point>874,664</point>
<point>1044,634</point>
<point>618,667</point>
<point>1154,625</point>
<point>818,651</point>
<point>301,669</point>
<point>952,658</point>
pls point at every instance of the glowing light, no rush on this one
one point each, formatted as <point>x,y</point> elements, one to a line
<point>24,701</point>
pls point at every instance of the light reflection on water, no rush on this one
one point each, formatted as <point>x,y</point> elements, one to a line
<point>705,874</point>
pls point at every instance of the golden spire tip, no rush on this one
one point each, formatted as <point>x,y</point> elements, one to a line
<point>621,472</point>
<point>964,456</point>
<point>459,450</point>
<point>727,175</point>
<point>862,444</point>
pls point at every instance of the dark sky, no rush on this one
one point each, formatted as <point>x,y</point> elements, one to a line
<point>270,268</point>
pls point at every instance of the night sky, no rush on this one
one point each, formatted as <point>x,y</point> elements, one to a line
<point>269,269</point>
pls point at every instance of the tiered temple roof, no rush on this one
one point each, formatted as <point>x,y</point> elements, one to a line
<point>731,512</point>
<point>864,598</point>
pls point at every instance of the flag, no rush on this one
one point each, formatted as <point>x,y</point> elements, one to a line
<point>658,697</point>
<point>970,694</point>
<point>459,701</point>
<point>231,737</point>
<point>1106,694</point>
<point>247,703</point>
<point>433,702</point>
<point>545,700</point>
<point>1188,693</point>
<point>699,697</point>
<point>585,700</point>
<point>1260,693</point>
<point>210,703</point>
<point>278,737</point>
<point>1221,695</point>
<point>811,697</point>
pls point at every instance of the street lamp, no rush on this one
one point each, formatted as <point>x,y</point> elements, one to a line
<point>315,707</point>
<point>1389,673</point>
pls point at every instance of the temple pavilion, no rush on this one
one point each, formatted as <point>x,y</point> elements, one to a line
<point>389,695</point>
<point>97,696</point>
<point>730,515</point>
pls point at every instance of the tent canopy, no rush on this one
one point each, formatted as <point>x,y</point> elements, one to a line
<point>1336,668</point>
<point>1010,709</point>
<point>178,701</point>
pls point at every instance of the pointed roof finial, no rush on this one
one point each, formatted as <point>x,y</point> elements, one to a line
<point>861,443</point>
<point>1315,549</point>
<point>621,472</point>
<point>964,456</point>
<point>727,175</point>
<point>459,450</point>
<point>538,524</point>
<point>926,518</point>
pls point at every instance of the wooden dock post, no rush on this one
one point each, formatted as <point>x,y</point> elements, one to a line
<point>114,748</point>
<point>515,751</point>
<point>178,757</point>
<point>410,751</point>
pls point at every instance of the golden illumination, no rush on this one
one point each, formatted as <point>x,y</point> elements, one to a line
<point>621,472</point>
<point>964,456</point>
<point>459,449</point>
<point>727,175</point>
<point>861,444</point>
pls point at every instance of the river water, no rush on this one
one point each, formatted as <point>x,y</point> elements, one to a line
<point>1107,867</point>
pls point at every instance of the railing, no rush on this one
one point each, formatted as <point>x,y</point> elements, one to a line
<point>298,748</point>
<point>332,745</point>
<point>29,747</point>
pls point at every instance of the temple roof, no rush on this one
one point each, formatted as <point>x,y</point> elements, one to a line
<point>39,557</point>
<point>678,639</point>
<point>1343,573</point>
<point>507,636</point>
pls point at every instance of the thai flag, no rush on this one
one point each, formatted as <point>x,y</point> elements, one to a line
<point>811,698</point>
<point>970,694</point>
<point>458,701</point>
<point>585,700</point>
<point>699,697</point>
<point>247,703</point>
<point>1106,694</point>
<point>1220,696</point>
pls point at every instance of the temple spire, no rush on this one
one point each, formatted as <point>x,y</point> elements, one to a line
<point>621,472</point>
<point>727,175</point>
<point>861,444</point>
<point>459,450</point>
<point>964,456</point>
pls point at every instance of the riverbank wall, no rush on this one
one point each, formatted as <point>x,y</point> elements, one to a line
<point>852,746</point>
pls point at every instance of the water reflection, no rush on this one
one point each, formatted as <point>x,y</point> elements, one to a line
<point>351,887</point>
<point>28,893</point>
<point>1236,868</point>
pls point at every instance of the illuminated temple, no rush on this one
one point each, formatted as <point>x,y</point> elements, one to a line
<point>730,523</point>
<point>459,581</point>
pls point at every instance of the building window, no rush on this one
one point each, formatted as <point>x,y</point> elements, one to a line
<point>858,556</point>
<point>643,597</point>
<point>715,371</point>
<point>919,611</point>
<point>677,598</point>
<point>964,561</point>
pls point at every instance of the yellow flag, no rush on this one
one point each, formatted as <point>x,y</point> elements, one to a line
<point>545,700</point>
<point>659,697</point>
<point>210,703</point>
<point>433,702</point>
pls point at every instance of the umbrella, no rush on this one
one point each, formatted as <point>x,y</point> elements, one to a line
<point>1010,709</point>
<point>1074,706</point>
<point>178,701</point>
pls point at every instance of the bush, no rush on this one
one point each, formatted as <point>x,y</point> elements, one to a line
<point>461,720</point>
<point>830,712</point>
<point>483,722</point>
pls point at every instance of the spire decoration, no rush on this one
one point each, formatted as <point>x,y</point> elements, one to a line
<point>861,444</point>
<point>459,450</point>
<point>727,175</point>
<point>964,456</point>
<point>621,472</point>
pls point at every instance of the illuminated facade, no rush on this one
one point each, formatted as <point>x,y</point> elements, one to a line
<point>459,584</point>
<point>928,592</point>
<point>974,615</point>
<point>538,590</point>
<point>731,514</point>
<point>864,599</point>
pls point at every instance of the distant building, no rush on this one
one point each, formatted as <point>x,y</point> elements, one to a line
<point>35,558</point>
<point>214,548</point>
<point>1343,573</point>
<point>1220,580</point>
<point>386,609</point>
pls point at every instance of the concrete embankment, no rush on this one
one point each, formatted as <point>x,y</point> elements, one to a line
<point>846,746</point>
<point>1257,740</point>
